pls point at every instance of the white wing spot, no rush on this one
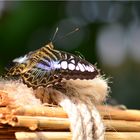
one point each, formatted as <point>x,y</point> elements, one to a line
<point>81,67</point>
<point>71,57</point>
<point>71,66</point>
<point>77,68</point>
<point>91,68</point>
<point>73,61</point>
<point>64,64</point>
<point>87,68</point>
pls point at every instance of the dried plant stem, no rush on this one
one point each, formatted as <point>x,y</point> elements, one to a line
<point>43,135</point>
<point>41,111</point>
<point>125,122</point>
<point>51,123</point>
<point>122,136</point>
<point>117,114</point>
<point>68,135</point>
<point>47,123</point>
<point>106,112</point>
<point>122,126</point>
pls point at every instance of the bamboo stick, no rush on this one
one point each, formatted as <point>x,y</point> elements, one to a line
<point>122,126</point>
<point>41,111</point>
<point>122,136</point>
<point>40,122</point>
<point>56,124</point>
<point>106,112</point>
<point>51,123</point>
<point>43,135</point>
<point>68,135</point>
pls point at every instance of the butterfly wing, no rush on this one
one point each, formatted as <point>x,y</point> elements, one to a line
<point>74,67</point>
<point>47,66</point>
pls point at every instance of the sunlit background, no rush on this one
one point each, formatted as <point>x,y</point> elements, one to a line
<point>109,35</point>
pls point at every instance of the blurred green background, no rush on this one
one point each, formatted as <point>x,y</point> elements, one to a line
<point>109,35</point>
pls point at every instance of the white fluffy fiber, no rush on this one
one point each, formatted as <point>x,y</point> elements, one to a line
<point>19,93</point>
<point>96,89</point>
<point>79,101</point>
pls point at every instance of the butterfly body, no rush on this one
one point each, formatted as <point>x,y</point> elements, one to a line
<point>48,66</point>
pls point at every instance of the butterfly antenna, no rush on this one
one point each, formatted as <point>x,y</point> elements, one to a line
<point>69,33</point>
<point>62,37</point>
<point>54,35</point>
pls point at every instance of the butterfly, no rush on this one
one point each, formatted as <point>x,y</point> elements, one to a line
<point>47,67</point>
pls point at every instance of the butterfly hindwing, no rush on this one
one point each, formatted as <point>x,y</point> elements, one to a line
<point>38,77</point>
<point>73,67</point>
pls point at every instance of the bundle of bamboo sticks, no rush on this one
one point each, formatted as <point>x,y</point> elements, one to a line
<point>51,123</point>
